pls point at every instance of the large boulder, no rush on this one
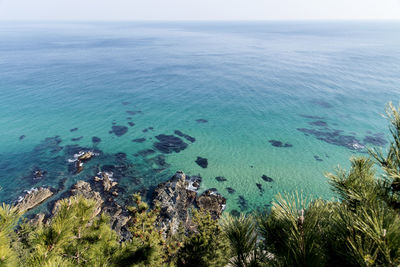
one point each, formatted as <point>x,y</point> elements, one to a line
<point>211,201</point>
<point>33,198</point>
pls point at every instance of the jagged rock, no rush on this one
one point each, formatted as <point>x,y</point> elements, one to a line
<point>33,198</point>
<point>212,201</point>
<point>38,219</point>
<point>86,156</point>
<point>178,196</point>
<point>84,189</point>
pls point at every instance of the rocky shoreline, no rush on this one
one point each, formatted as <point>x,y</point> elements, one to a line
<point>177,198</point>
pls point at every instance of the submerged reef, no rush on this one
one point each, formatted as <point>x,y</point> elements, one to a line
<point>186,136</point>
<point>169,143</point>
<point>277,143</point>
<point>202,162</point>
<point>119,130</point>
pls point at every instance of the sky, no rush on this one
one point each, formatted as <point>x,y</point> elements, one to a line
<point>111,10</point>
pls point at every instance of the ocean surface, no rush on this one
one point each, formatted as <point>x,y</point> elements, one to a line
<point>272,106</point>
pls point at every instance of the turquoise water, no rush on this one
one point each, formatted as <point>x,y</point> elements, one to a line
<point>318,87</point>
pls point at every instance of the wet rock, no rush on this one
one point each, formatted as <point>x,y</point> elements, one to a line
<point>375,140</point>
<point>73,130</point>
<point>220,179</point>
<point>235,213</point>
<point>319,123</point>
<point>78,166</point>
<point>33,198</point>
<point>187,137</point>
<point>334,137</point>
<point>108,182</point>
<point>211,201</point>
<point>139,140</point>
<point>96,140</point>
<point>22,137</point>
<point>259,186</point>
<point>202,162</point>
<point>134,112</point>
<point>242,202</point>
<point>277,143</point>
<point>85,156</point>
<point>38,174</point>
<point>76,139</point>
<point>169,143</point>
<point>131,124</point>
<point>317,158</point>
<point>119,130</point>
<point>230,190</point>
<point>267,178</point>
<point>201,121</point>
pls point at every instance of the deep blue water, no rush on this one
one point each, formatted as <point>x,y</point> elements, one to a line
<point>319,88</point>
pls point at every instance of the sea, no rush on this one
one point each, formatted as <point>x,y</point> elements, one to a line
<point>254,108</point>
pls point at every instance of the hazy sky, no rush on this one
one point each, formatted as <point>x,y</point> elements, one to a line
<point>198,9</point>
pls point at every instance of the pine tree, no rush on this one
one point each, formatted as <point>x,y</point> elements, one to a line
<point>9,217</point>
<point>206,245</point>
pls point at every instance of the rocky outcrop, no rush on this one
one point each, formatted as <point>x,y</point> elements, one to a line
<point>33,198</point>
<point>108,182</point>
<point>178,196</point>
<point>212,201</point>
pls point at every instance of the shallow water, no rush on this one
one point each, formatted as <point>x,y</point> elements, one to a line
<point>237,88</point>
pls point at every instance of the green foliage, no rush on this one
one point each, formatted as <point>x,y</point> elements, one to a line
<point>75,236</point>
<point>206,245</point>
<point>242,235</point>
<point>295,230</point>
<point>9,217</point>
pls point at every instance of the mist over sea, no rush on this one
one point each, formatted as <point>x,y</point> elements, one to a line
<point>270,105</point>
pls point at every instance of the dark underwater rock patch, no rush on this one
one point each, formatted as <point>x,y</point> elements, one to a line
<point>242,202</point>
<point>139,140</point>
<point>334,137</point>
<point>375,140</point>
<point>317,158</point>
<point>220,179</point>
<point>73,130</point>
<point>201,121</point>
<point>277,143</point>
<point>119,130</point>
<point>125,103</point>
<point>51,144</point>
<point>134,112</point>
<point>131,124</point>
<point>259,186</point>
<point>120,156</point>
<point>129,118</point>
<point>235,213</point>
<point>169,143</point>
<point>145,130</point>
<point>322,103</point>
<point>267,178</point>
<point>96,140</point>
<point>76,139</point>
<point>202,162</point>
<point>145,152</point>
<point>319,123</point>
<point>230,190</point>
<point>311,117</point>
<point>22,137</point>
<point>186,136</point>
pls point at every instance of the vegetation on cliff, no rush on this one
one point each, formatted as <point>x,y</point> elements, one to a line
<point>361,228</point>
